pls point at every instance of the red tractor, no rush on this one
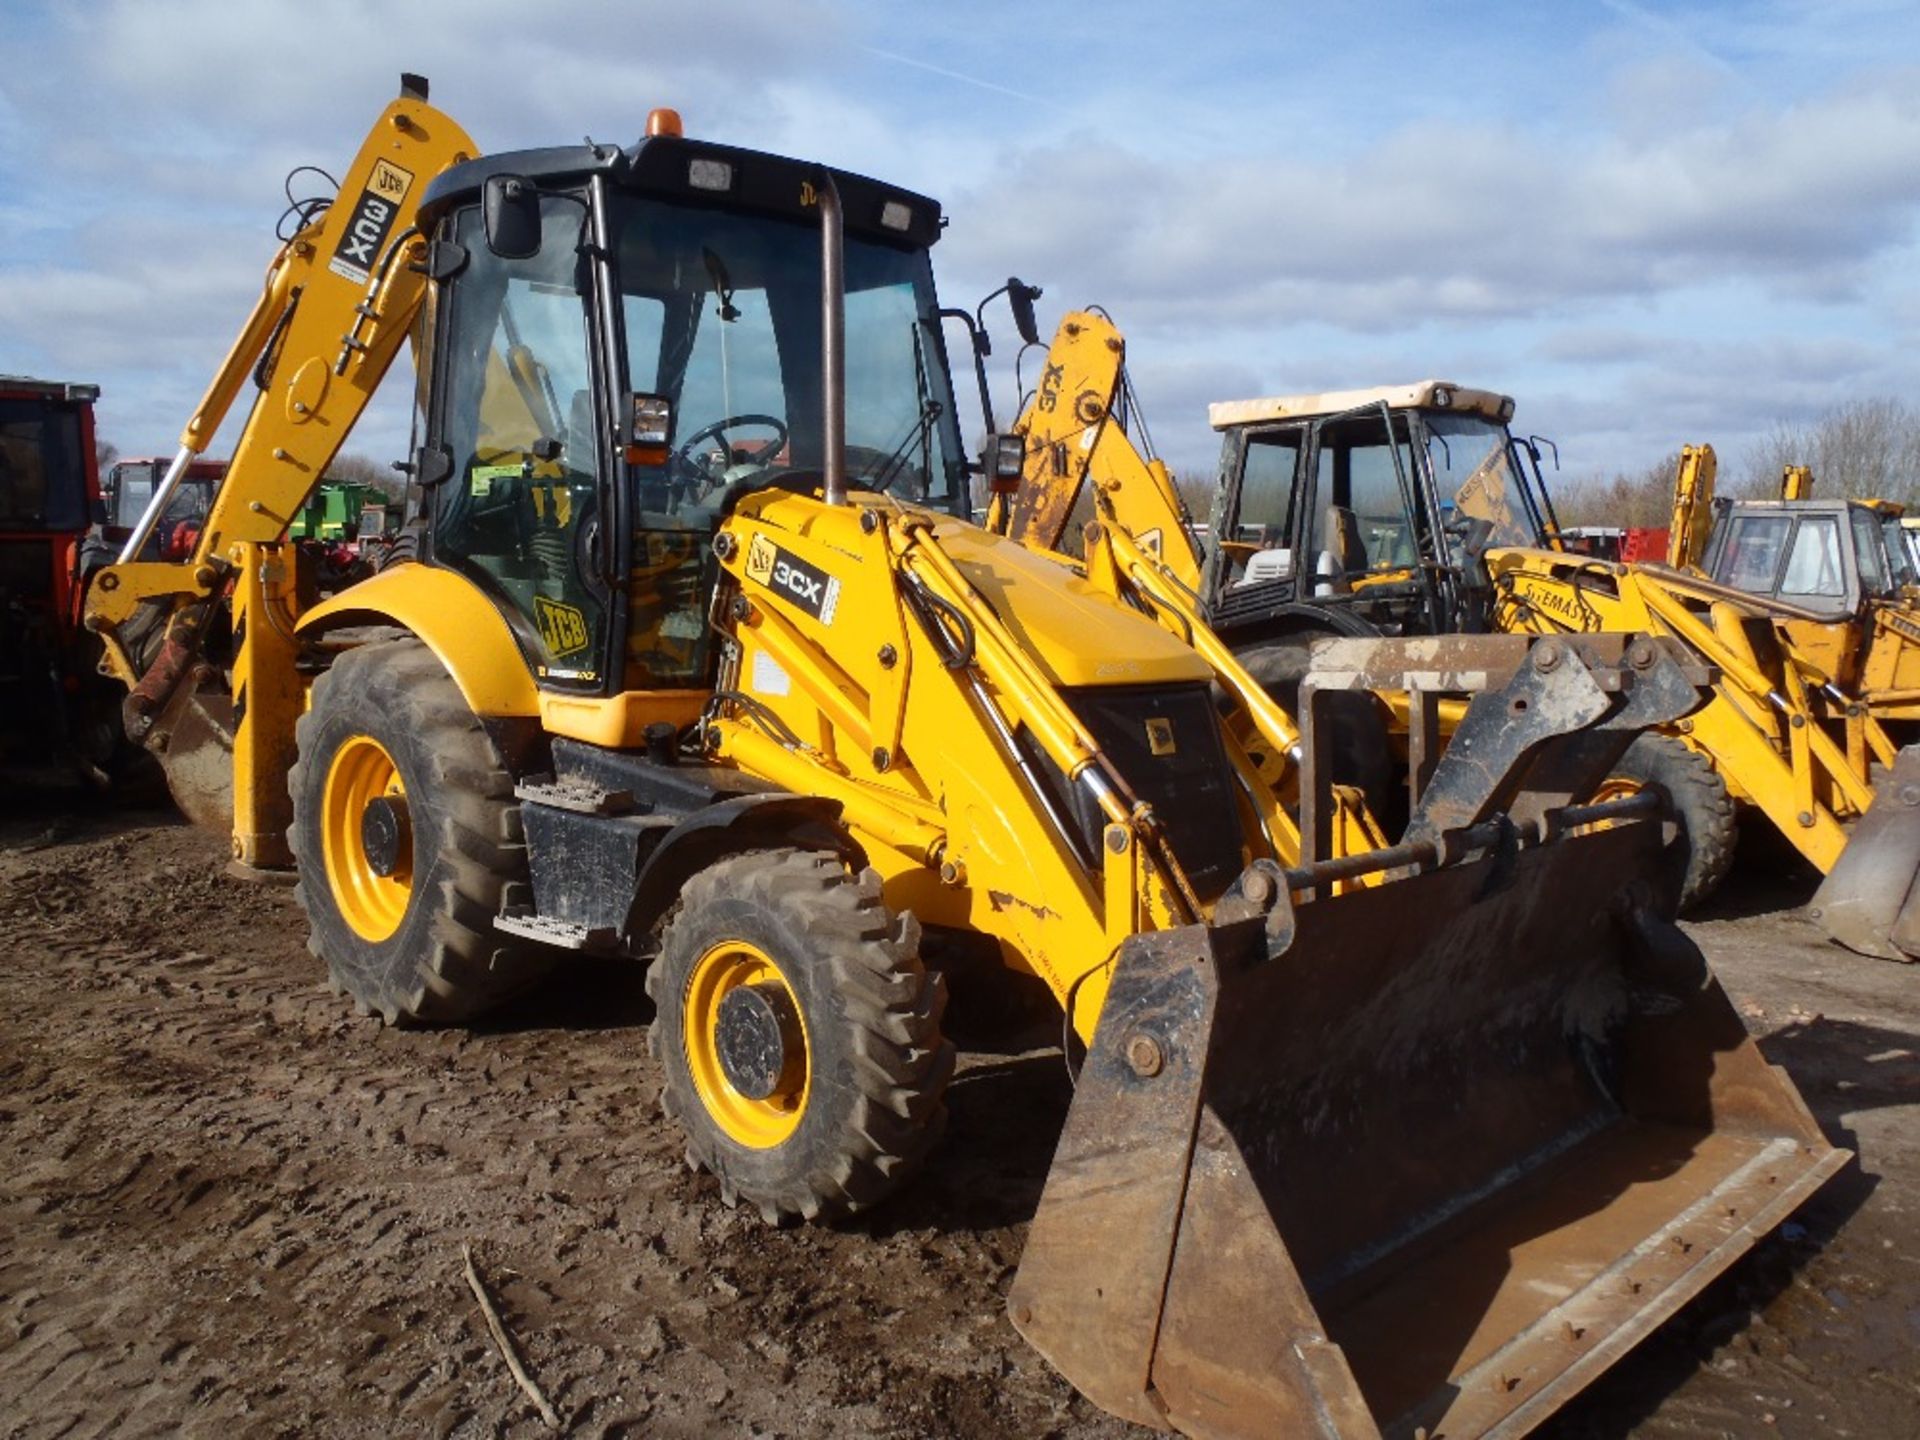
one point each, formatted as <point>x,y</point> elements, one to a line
<point>56,709</point>
<point>128,489</point>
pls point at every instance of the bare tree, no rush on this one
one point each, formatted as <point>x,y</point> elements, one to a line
<point>1864,448</point>
<point>365,470</point>
<point>105,452</point>
<point>1635,498</point>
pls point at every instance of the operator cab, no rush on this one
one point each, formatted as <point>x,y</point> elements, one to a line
<point>1828,556</point>
<point>621,344</point>
<point>1369,501</point>
<point>46,440</point>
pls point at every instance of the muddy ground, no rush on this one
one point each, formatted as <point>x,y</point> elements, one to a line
<point>229,1207</point>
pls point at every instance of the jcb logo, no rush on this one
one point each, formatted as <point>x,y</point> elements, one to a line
<point>390,180</point>
<point>761,555</point>
<point>1051,379</point>
<point>563,627</point>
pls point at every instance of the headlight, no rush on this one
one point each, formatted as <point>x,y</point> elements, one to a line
<point>710,174</point>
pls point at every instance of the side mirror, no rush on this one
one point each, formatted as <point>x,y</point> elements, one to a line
<point>1020,298</point>
<point>510,211</point>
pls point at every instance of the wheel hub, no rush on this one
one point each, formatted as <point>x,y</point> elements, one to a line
<point>758,1039</point>
<point>386,831</point>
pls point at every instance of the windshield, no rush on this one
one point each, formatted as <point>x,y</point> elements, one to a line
<point>42,472</point>
<point>1869,552</point>
<point>722,316</point>
<point>1474,476</point>
<point>1900,550</point>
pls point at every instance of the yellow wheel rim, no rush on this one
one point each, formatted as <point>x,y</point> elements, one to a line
<point>1614,787</point>
<point>371,903</point>
<point>759,1124</point>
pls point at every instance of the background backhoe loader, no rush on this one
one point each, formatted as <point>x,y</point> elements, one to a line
<point>703,664</point>
<point>1835,577</point>
<point>1413,510</point>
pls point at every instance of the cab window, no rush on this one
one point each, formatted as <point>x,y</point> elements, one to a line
<point>519,511</point>
<point>1360,523</point>
<point>1813,564</point>
<point>1751,558</point>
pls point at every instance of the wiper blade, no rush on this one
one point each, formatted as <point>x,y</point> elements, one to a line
<point>896,462</point>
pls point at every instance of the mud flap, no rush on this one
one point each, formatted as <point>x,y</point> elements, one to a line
<point>1870,900</point>
<point>1424,1158</point>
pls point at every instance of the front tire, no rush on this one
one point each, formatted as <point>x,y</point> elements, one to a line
<point>406,834</point>
<point>799,1034</point>
<point>1701,826</point>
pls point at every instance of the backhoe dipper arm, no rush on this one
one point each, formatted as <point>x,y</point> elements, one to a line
<point>339,298</point>
<point>1692,506</point>
<point>1072,434</point>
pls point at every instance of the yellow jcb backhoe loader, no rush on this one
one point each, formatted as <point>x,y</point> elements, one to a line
<point>1834,576</point>
<point>702,664</point>
<point>1413,510</point>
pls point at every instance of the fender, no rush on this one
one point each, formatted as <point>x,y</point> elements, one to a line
<point>462,627</point>
<point>743,823</point>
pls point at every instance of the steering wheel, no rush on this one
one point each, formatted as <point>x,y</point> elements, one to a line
<point>681,462</point>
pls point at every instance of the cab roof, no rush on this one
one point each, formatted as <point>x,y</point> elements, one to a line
<point>52,389</point>
<point>663,165</point>
<point>1888,509</point>
<point>1421,395</point>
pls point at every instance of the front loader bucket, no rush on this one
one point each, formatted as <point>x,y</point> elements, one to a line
<point>1870,900</point>
<point>1422,1159</point>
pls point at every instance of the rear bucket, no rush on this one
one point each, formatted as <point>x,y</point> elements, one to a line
<point>1870,900</point>
<point>193,740</point>
<point>1425,1165</point>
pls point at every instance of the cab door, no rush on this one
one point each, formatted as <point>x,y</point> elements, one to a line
<point>516,434</point>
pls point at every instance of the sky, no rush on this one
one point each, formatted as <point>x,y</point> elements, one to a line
<point>1650,223</point>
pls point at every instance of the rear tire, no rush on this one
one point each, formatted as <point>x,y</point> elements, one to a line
<point>416,946</point>
<point>1702,826</point>
<point>1362,752</point>
<point>857,1102</point>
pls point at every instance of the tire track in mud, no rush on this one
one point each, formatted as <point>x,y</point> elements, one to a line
<point>227,1206</point>
<point>232,1204</point>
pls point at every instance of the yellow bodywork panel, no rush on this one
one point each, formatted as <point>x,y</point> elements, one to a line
<point>822,651</point>
<point>455,620</point>
<point>1080,637</point>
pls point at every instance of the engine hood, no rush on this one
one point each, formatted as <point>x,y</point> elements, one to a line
<point>1079,635</point>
